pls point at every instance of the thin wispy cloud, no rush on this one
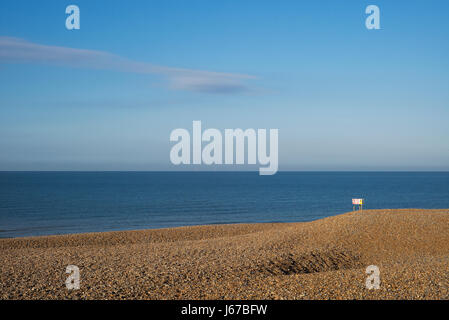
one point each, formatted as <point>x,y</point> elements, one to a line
<point>15,50</point>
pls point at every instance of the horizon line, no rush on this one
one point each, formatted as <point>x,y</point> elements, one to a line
<point>220,171</point>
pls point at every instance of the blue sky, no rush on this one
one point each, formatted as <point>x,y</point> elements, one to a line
<point>343,97</point>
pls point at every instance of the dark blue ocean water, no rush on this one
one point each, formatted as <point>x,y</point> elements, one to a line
<point>42,203</point>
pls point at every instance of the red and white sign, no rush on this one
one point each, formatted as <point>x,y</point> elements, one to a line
<point>357,201</point>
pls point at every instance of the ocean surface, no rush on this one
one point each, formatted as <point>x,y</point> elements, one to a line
<point>45,203</point>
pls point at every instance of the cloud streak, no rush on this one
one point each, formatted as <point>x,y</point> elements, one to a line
<point>15,50</point>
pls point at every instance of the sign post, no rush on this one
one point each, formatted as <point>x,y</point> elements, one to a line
<point>358,202</point>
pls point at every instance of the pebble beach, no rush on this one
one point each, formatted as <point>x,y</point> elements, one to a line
<point>322,259</point>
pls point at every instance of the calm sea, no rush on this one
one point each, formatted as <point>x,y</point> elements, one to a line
<point>43,203</point>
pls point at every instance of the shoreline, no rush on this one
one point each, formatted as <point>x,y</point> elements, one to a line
<point>151,229</point>
<point>197,225</point>
<point>319,259</point>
